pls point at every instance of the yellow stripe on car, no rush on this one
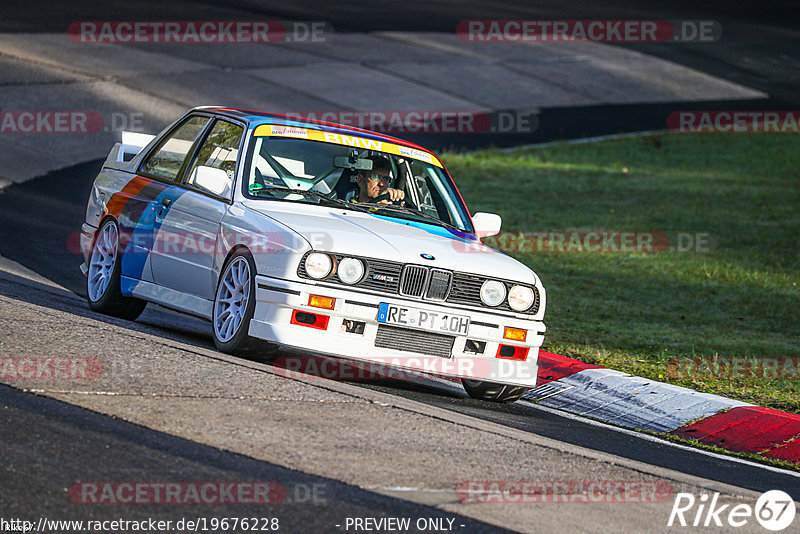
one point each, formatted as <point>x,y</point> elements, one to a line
<point>354,141</point>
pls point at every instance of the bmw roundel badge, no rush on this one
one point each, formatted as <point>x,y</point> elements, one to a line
<point>427,256</point>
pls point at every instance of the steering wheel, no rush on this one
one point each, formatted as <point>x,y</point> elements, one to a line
<point>385,196</point>
<point>408,202</point>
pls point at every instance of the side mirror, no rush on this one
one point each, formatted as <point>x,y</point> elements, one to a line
<point>486,224</point>
<point>211,179</point>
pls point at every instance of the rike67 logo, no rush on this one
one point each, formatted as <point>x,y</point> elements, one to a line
<point>774,510</point>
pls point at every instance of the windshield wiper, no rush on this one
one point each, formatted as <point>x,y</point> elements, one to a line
<point>363,207</point>
<point>309,194</point>
<point>283,189</point>
<point>419,213</point>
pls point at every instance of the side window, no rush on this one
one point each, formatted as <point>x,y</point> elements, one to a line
<point>219,151</point>
<point>166,162</point>
<point>421,178</point>
<point>433,193</point>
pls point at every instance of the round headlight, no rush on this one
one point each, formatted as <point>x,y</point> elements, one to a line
<point>493,292</point>
<point>350,270</point>
<point>318,265</point>
<point>520,298</point>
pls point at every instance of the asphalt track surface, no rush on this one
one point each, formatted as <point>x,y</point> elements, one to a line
<point>38,220</point>
<point>759,49</point>
<point>60,444</point>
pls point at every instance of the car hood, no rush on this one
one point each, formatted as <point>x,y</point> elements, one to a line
<point>393,239</point>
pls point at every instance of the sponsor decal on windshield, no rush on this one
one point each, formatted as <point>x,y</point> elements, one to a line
<point>414,153</point>
<point>288,131</point>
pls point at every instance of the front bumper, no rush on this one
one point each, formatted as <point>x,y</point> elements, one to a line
<point>277,300</point>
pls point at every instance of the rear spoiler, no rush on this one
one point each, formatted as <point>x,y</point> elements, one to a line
<point>132,143</point>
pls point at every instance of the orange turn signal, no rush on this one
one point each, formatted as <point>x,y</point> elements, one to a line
<point>516,334</point>
<point>318,301</point>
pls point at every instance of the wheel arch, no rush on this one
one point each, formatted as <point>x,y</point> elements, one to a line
<point>236,248</point>
<point>100,224</point>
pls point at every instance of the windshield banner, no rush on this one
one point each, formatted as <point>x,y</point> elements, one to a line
<point>346,140</point>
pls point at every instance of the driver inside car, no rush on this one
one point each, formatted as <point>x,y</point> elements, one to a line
<point>375,183</point>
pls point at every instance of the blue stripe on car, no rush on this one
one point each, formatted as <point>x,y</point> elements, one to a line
<point>143,236</point>
<point>434,229</point>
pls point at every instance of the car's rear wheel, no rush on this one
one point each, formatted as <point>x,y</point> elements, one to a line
<point>103,277</point>
<point>490,391</point>
<point>235,303</point>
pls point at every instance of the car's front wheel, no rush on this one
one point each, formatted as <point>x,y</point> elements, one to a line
<point>235,303</point>
<point>490,391</point>
<point>103,277</point>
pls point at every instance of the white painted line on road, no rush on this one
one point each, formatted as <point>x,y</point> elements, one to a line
<point>205,397</point>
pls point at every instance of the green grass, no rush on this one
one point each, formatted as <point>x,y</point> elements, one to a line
<point>737,298</point>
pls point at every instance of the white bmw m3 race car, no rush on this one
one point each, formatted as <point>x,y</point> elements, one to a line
<point>330,239</point>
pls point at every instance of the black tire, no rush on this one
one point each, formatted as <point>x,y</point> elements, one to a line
<point>110,301</point>
<point>239,342</point>
<point>493,392</point>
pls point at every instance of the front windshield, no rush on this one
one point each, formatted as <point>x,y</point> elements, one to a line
<point>294,166</point>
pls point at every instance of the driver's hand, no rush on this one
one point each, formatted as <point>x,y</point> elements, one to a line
<point>394,195</point>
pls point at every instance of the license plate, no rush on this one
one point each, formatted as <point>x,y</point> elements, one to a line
<point>423,319</point>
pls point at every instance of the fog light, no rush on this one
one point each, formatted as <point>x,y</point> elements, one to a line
<point>311,320</point>
<point>517,334</point>
<point>318,301</point>
<point>510,352</point>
